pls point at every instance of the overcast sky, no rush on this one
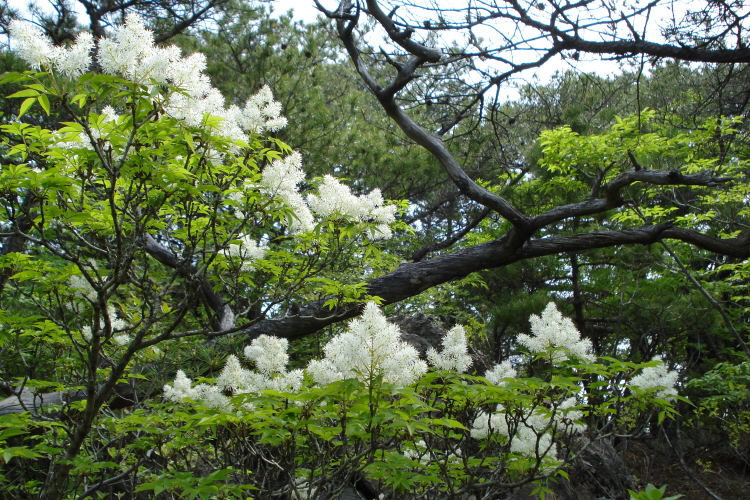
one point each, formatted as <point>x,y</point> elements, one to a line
<point>304,10</point>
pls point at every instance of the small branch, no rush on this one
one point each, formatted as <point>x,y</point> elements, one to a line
<point>636,166</point>
<point>109,481</point>
<point>709,298</point>
<point>421,253</point>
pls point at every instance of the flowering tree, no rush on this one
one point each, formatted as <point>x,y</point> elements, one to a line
<point>152,212</point>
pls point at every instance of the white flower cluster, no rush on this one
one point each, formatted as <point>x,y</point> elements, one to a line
<point>81,287</point>
<point>454,356</point>
<point>657,377</point>
<point>280,180</point>
<point>554,331</point>
<point>86,333</point>
<point>36,48</point>
<point>499,372</point>
<point>270,358</point>
<point>130,52</point>
<point>370,348</point>
<point>247,251</point>
<point>530,437</point>
<point>118,325</point>
<point>336,198</point>
<point>532,432</point>
<point>182,388</point>
<point>418,450</point>
<point>262,113</point>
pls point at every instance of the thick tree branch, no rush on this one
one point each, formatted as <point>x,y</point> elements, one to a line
<point>431,142</point>
<point>693,54</point>
<point>411,279</point>
<point>612,198</point>
<point>402,37</point>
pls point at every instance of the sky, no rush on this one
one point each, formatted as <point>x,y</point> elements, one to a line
<point>305,10</point>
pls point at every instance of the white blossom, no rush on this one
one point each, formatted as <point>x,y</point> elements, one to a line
<point>31,44</point>
<point>381,232</point>
<point>499,372</point>
<point>210,396</point>
<point>86,333</point>
<point>82,287</point>
<point>273,376</point>
<point>531,436</point>
<point>247,251</point>
<point>270,357</point>
<point>110,115</point>
<point>530,433</point>
<point>122,340</point>
<point>115,320</point>
<point>324,372</point>
<point>656,377</point>
<point>262,113</point>
<point>269,354</point>
<point>552,330</point>
<point>454,356</point>
<point>301,220</point>
<point>181,388</point>
<point>279,180</point>
<point>187,73</point>
<point>233,376</point>
<point>370,348</point>
<point>335,198</point>
<point>485,423</point>
<point>568,416</point>
<point>75,61</point>
<point>283,175</point>
<point>130,52</point>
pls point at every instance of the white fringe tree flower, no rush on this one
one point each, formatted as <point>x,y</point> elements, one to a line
<point>247,252</point>
<point>270,358</point>
<point>499,372</point>
<point>370,348</point>
<point>130,52</point>
<point>335,198</point>
<point>656,377</point>
<point>531,436</point>
<point>33,46</point>
<point>454,356</point>
<point>552,330</point>
<point>530,433</point>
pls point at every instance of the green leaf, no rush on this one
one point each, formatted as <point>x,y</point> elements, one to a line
<point>44,102</point>
<point>25,105</point>
<point>25,93</point>
<point>18,451</point>
<point>188,136</point>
